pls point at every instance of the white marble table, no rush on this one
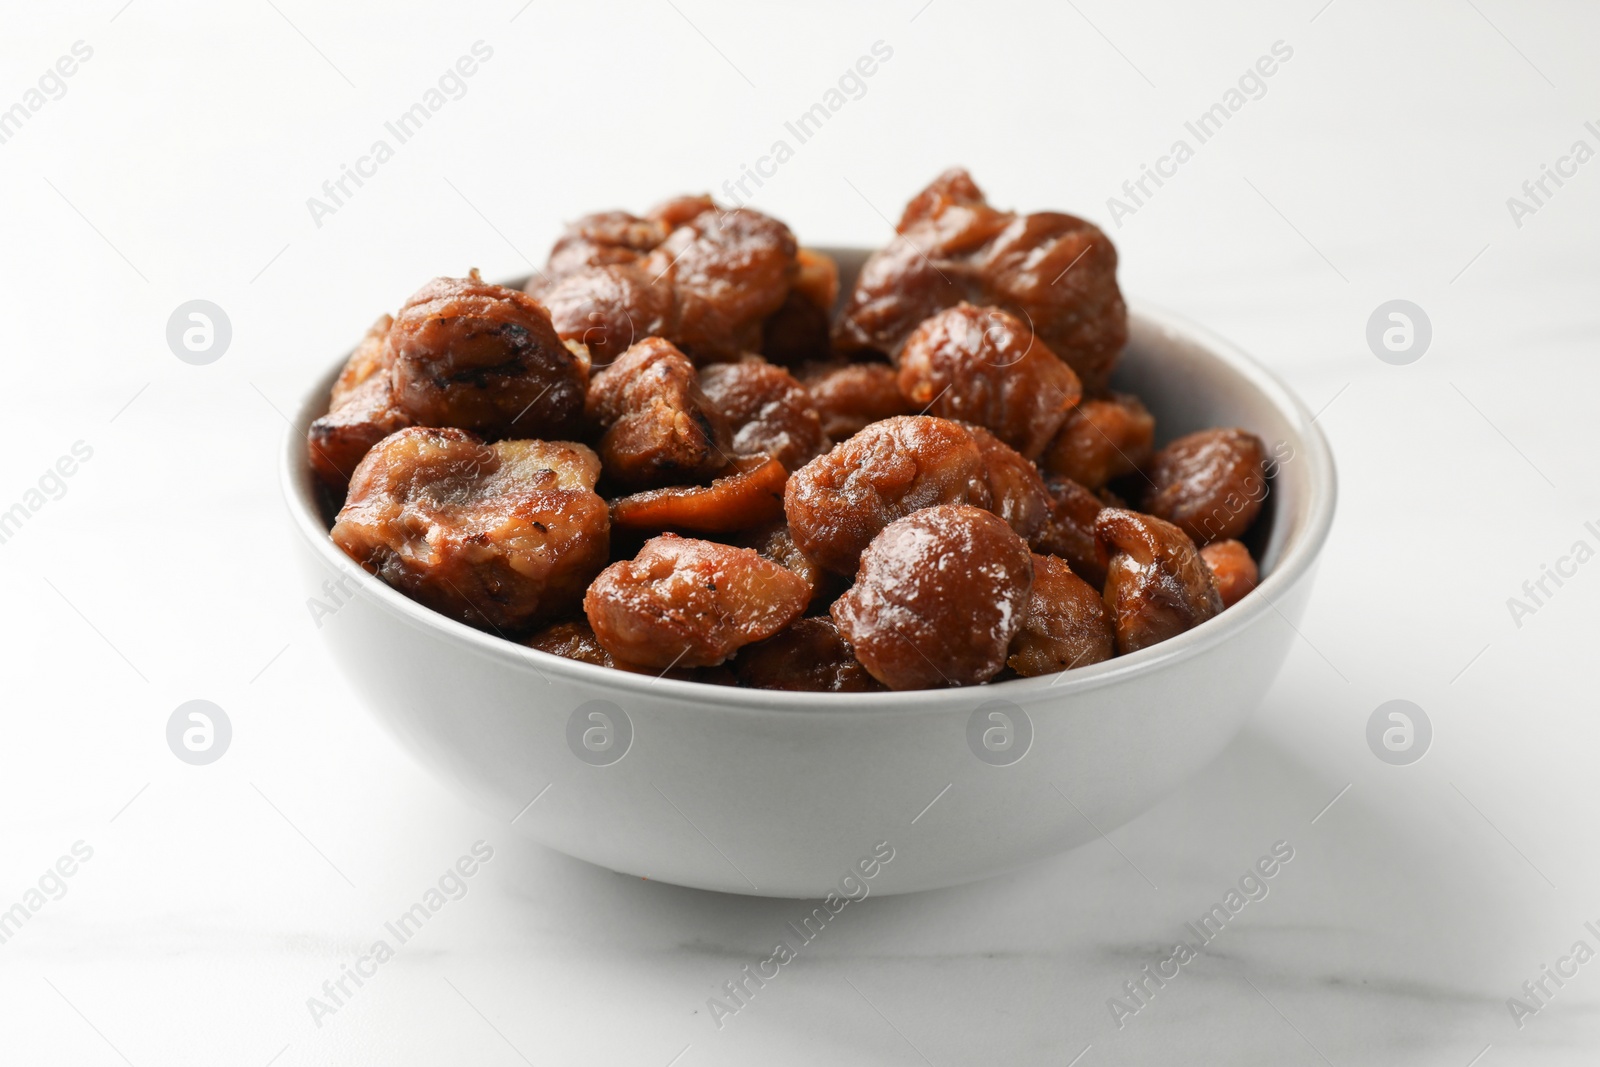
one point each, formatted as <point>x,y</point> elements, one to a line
<point>1376,164</point>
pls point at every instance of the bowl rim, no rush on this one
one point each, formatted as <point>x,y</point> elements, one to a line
<point>1299,554</point>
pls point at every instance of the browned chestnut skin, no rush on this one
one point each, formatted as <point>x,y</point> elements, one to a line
<point>1068,531</point>
<point>1066,625</point>
<point>849,397</point>
<point>703,278</point>
<point>1018,494</point>
<point>602,238</point>
<point>748,497</point>
<point>985,366</point>
<point>730,270</point>
<point>462,353</point>
<point>606,238</point>
<point>1056,272</point>
<point>817,279</point>
<point>1156,584</point>
<point>1210,484</point>
<point>775,543</point>
<point>361,410</point>
<point>809,656</point>
<point>1101,439</point>
<point>837,503</point>
<point>659,427</point>
<point>575,639</point>
<point>609,309</point>
<point>683,209</point>
<point>868,486</point>
<point>1232,569</point>
<point>766,409</point>
<point>485,358</point>
<point>938,599</point>
<point>800,329</point>
<point>496,536</point>
<point>689,603</point>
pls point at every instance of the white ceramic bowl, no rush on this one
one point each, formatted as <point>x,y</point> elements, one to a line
<point>784,794</point>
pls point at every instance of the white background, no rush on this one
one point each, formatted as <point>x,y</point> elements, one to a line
<point>1376,166</point>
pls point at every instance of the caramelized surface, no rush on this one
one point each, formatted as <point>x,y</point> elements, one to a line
<point>837,503</point>
<point>497,536</point>
<point>1056,272</point>
<point>1156,584</point>
<point>915,492</point>
<point>683,602</point>
<point>939,597</point>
